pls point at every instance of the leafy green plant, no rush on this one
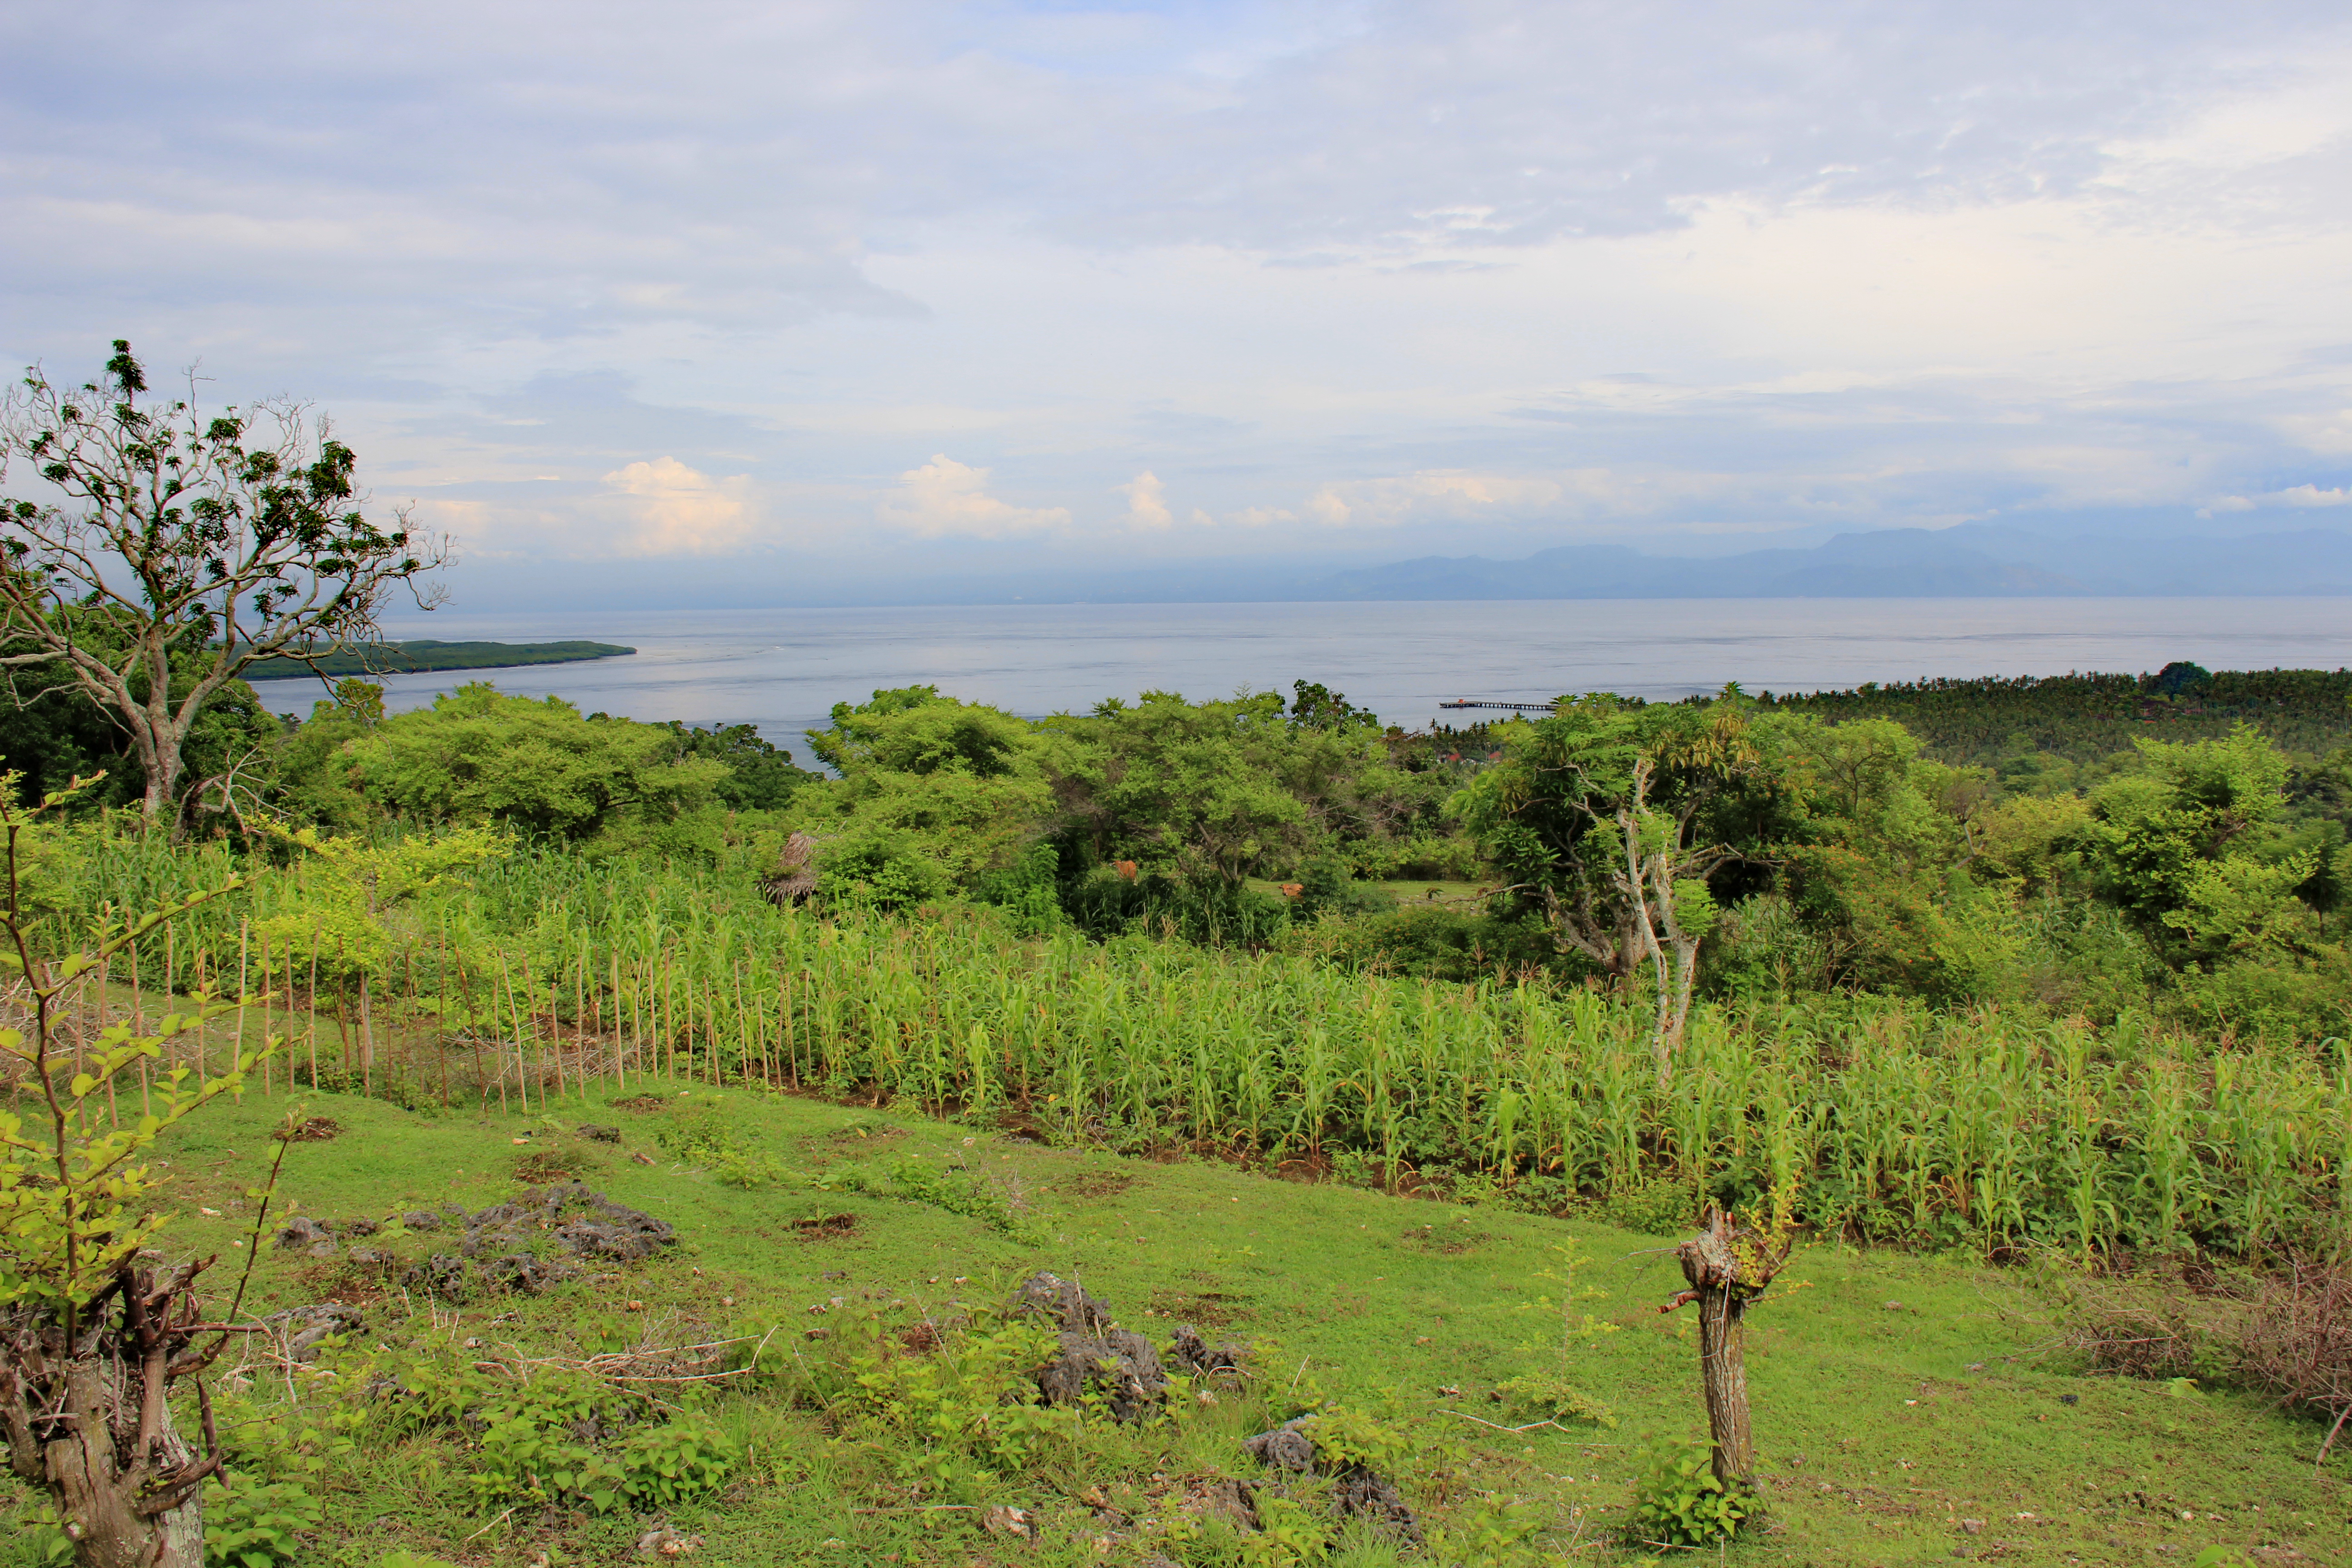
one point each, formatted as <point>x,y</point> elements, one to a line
<point>1679,1502</point>
<point>41,1541</point>
<point>684,1458</point>
<point>1288,1533</point>
<point>1489,1533</point>
<point>256,1524</point>
<point>1543,1396</point>
<point>957,1191</point>
<point>525,1459</point>
<point>702,1137</point>
<point>1345,1436</point>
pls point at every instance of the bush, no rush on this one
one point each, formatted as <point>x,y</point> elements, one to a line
<point>1426,943</point>
<point>1103,904</point>
<point>879,867</point>
<point>2285,1333</point>
<point>1679,1502</point>
<point>683,1459</point>
<point>251,1524</point>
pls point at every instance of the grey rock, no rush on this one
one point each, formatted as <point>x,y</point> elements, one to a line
<point>450,1277</point>
<point>303,1233</point>
<point>1094,1358</point>
<point>1287,1448</point>
<point>1044,1295</point>
<point>301,1329</point>
<point>1361,1492</point>
<point>1196,1357</point>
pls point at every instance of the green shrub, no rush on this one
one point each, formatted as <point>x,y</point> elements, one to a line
<point>1288,1533</point>
<point>686,1458</point>
<point>1679,1502</point>
<point>1659,1206</point>
<point>702,1135</point>
<point>524,1458</point>
<point>972,1397</point>
<point>957,1191</point>
<point>256,1524</point>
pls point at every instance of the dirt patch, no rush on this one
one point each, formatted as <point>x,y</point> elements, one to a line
<point>642,1102</point>
<point>357,1285</point>
<point>859,1132</point>
<point>1094,1184</point>
<point>317,1129</point>
<point>541,1166</point>
<point>831,1228</point>
<point>920,1339</point>
<point>1203,1308</point>
<point>1305,1168</point>
<point>1446,1243</point>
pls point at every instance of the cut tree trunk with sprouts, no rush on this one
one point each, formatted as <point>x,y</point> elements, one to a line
<point>84,1401</point>
<point>1724,1278</point>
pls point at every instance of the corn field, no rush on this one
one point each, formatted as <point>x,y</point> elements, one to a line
<point>541,976</point>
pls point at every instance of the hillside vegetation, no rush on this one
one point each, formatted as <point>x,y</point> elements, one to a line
<point>995,995</point>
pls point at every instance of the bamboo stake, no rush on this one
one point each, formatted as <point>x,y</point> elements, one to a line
<point>239,1050</point>
<point>579,1021</point>
<point>408,961</point>
<point>342,1004</point>
<point>266,990</point>
<point>196,988</point>
<point>441,1033</point>
<point>171,989</point>
<point>522,1085</point>
<point>367,1041</point>
<point>112,1118</point>
<point>313,1000</point>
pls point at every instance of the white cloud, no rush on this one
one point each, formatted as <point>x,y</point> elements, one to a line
<point>676,511</point>
<point>2312,495</point>
<point>1147,502</point>
<point>946,499</point>
<point>1419,497</point>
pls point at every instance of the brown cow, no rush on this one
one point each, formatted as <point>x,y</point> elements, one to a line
<point>1292,889</point>
<point>1126,868</point>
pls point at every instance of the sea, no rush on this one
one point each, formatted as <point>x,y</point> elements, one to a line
<point>784,669</point>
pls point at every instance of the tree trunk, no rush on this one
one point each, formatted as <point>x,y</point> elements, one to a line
<point>99,1496</point>
<point>1713,1271</point>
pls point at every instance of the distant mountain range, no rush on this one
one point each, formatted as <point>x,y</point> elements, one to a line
<point>1971,561</point>
<point>2140,556</point>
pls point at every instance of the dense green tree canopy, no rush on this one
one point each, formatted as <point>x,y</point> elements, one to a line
<point>536,765</point>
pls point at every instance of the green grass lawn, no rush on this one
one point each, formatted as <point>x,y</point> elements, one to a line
<point>1895,1396</point>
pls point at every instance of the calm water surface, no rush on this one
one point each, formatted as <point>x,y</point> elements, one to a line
<point>785,670</point>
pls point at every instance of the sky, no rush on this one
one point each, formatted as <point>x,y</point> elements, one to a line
<point>802,296</point>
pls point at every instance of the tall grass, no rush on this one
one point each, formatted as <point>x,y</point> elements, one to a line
<point>532,978</point>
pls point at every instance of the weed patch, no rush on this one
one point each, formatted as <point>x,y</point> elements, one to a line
<point>831,1228</point>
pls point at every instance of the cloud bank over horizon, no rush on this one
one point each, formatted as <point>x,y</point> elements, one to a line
<point>894,288</point>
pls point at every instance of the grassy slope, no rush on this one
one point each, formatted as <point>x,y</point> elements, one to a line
<point>1875,1438</point>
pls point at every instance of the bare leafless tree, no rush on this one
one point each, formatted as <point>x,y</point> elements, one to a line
<point>170,541</point>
